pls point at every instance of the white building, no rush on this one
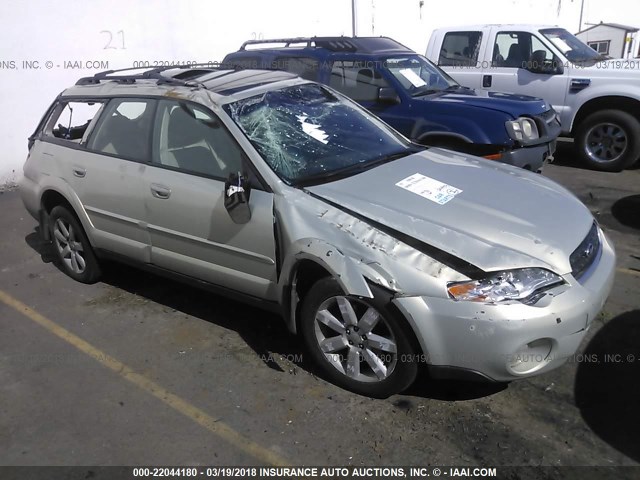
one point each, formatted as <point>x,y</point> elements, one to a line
<point>612,39</point>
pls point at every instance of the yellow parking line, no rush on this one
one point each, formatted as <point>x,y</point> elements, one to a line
<point>212,424</point>
<point>629,271</point>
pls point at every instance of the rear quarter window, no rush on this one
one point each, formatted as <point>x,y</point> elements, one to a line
<point>70,120</point>
<point>243,62</point>
<point>304,67</point>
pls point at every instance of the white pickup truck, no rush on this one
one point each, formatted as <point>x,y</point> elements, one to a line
<point>597,99</point>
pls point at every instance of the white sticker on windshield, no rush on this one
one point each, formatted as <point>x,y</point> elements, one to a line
<point>413,77</point>
<point>561,44</point>
<point>312,130</point>
<point>429,188</point>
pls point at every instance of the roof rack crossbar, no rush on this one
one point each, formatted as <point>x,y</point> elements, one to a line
<point>341,43</point>
<point>287,41</point>
<point>150,74</point>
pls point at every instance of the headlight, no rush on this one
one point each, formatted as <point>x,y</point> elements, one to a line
<point>506,285</point>
<point>522,129</point>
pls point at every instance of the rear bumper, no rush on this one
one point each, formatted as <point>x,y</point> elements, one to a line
<point>29,192</point>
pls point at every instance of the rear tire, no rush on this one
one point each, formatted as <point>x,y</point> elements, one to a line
<point>608,140</point>
<point>359,343</point>
<point>73,250</point>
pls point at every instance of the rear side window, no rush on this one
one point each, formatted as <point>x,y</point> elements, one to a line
<point>460,49</point>
<point>243,62</point>
<point>124,129</point>
<point>70,120</point>
<point>304,67</point>
<point>357,80</point>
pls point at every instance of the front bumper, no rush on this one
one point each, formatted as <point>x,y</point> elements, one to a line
<point>532,158</point>
<point>485,339</point>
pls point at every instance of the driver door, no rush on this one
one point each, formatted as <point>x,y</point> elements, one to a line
<point>513,51</point>
<point>190,229</point>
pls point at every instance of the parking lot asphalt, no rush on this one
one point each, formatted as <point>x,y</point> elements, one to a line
<point>140,370</point>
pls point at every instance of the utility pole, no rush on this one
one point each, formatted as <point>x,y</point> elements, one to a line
<point>353,18</point>
<point>581,10</point>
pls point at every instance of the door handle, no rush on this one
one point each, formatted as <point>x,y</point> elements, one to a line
<point>160,191</point>
<point>79,172</point>
<point>486,81</point>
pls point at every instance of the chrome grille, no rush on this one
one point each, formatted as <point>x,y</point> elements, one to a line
<point>586,253</point>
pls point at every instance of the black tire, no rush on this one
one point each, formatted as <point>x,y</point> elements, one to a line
<point>400,373</point>
<point>74,254</point>
<point>608,140</point>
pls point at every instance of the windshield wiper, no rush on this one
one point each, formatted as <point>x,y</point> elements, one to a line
<point>456,86</point>
<point>325,177</point>
<point>429,91</point>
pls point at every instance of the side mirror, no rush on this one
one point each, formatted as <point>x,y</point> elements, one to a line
<point>237,191</point>
<point>388,95</point>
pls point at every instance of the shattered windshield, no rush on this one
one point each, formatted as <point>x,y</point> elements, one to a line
<point>572,47</point>
<point>305,132</point>
<point>419,76</point>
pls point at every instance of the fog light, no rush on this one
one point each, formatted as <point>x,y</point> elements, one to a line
<point>530,357</point>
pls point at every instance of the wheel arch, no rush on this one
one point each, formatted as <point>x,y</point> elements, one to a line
<point>49,199</point>
<point>611,102</point>
<point>311,260</point>
<point>311,264</point>
<point>452,137</point>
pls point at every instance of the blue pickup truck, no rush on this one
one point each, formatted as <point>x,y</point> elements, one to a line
<point>415,96</point>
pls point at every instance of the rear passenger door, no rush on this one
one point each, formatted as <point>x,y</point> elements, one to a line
<point>191,231</point>
<point>104,170</point>
<point>459,56</point>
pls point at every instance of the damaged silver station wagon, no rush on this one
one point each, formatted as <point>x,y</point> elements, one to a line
<point>380,253</point>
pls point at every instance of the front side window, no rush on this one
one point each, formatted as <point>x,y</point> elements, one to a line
<point>306,133</point>
<point>418,76</point>
<point>70,121</point>
<point>521,50</point>
<point>357,80</point>
<point>192,139</point>
<point>460,49</point>
<point>124,129</point>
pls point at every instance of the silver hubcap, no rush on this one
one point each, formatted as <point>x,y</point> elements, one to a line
<point>356,339</point>
<point>606,142</point>
<point>69,246</point>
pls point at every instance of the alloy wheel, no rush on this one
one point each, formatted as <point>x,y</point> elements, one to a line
<point>355,339</point>
<point>606,142</point>
<point>69,246</point>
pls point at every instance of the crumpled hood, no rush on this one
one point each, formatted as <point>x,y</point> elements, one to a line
<point>503,218</point>
<point>513,104</point>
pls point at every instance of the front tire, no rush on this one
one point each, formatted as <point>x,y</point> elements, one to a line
<point>608,140</point>
<point>359,343</point>
<point>73,250</point>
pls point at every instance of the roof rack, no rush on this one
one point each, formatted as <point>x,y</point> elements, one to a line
<point>152,74</point>
<point>343,44</point>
